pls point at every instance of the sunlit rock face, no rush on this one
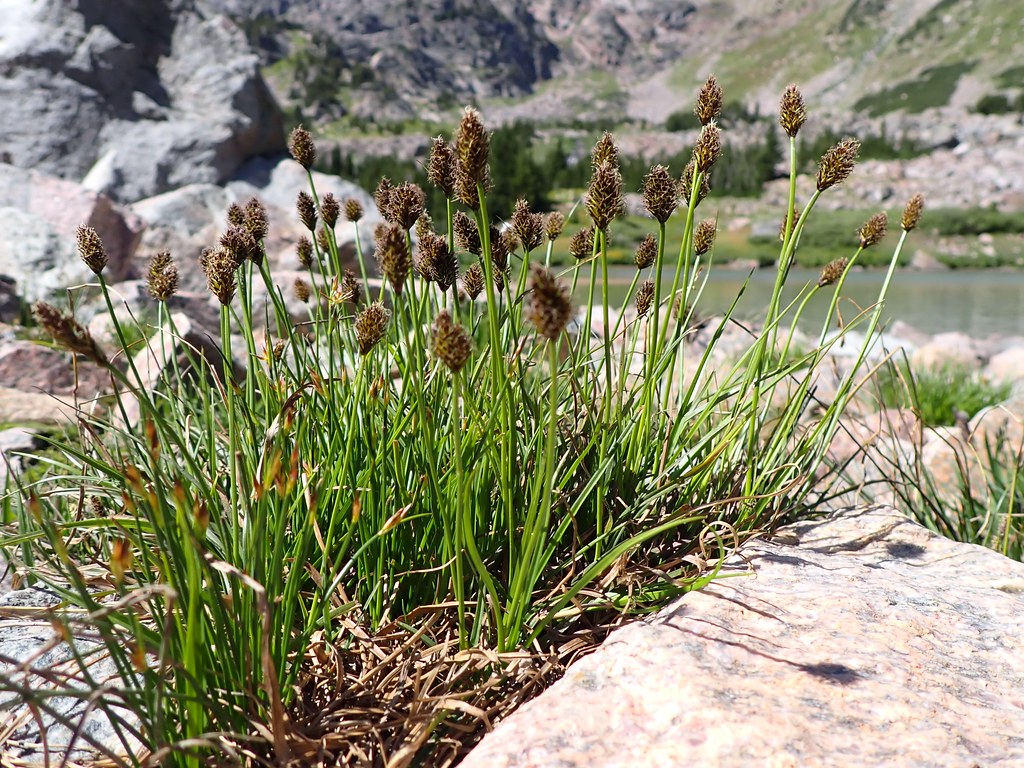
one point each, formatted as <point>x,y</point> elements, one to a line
<point>135,97</point>
<point>860,640</point>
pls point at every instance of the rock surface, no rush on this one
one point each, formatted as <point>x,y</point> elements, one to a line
<point>859,640</point>
<point>399,59</point>
<point>32,367</point>
<point>32,659</point>
<point>39,215</point>
<point>191,218</point>
<point>135,96</point>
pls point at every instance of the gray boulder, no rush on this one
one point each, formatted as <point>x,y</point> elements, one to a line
<point>135,96</point>
<point>189,219</point>
<point>36,256</point>
<point>39,214</point>
<point>34,659</point>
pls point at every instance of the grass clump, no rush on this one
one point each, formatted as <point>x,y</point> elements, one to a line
<point>407,509</point>
<point>939,396</point>
<point>976,498</point>
<point>961,470</point>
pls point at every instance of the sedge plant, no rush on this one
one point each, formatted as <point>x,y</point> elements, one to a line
<point>457,440</point>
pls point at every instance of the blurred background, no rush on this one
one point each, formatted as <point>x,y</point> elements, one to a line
<point>134,99</point>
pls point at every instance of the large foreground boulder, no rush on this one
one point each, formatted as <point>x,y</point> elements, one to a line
<point>860,640</point>
<point>135,96</point>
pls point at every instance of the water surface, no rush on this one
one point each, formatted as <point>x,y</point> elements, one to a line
<point>977,302</point>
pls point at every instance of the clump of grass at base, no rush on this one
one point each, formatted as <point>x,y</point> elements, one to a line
<point>471,465</point>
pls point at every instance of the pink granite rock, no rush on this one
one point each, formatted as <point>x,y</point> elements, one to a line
<point>861,640</point>
<point>31,367</point>
<point>948,349</point>
<point>64,205</point>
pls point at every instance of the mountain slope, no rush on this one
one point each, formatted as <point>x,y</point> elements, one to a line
<point>396,59</point>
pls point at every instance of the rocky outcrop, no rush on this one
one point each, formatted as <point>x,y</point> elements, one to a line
<point>397,60</point>
<point>860,640</point>
<point>31,367</point>
<point>135,96</point>
<point>191,218</point>
<point>39,215</point>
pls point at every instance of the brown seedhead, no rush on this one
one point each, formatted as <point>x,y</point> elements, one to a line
<point>581,245</point>
<point>704,236</point>
<point>832,272</point>
<point>604,151</point>
<point>554,223</point>
<point>873,230</point>
<point>837,164</point>
<point>451,342</point>
<point>254,218</point>
<point>301,290</point>
<point>503,245</point>
<point>686,184</point>
<point>162,276</point>
<point>407,201</point>
<point>219,267</point>
<point>528,227</point>
<point>708,148</point>
<point>792,112</point>
<point>304,250</point>
<point>330,209</point>
<point>467,237</point>
<point>240,245</point>
<point>382,198</point>
<point>426,255</point>
<point>371,326</point>
<point>236,215</point>
<point>709,101</point>
<point>350,287</point>
<point>323,240</point>
<point>549,306</point>
<point>393,255</point>
<point>604,196</point>
<point>473,281</point>
<point>645,298</point>
<point>90,248</point>
<point>441,166</point>
<point>646,253</point>
<point>307,210</point>
<point>446,269</point>
<point>424,226</point>
<point>302,148</point>
<point>472,152</point>
<point>353,209</point>
<point>68,332</point>
<point>661,193</point>
<point>912,212</point>
<point>436,262</point>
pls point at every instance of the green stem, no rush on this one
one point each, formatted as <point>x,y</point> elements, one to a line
<point>607,327</point>
<point>464,522</point>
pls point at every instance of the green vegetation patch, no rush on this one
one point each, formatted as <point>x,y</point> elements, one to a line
<point>939,395</point>
<point>1012,77</point>
<point>933,88</point>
